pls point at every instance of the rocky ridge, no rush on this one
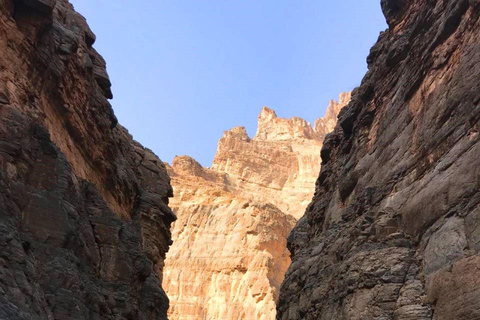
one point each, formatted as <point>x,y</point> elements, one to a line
<point>281,160</point>
<point>392,231</point>
<point>229,253</point>
<point>84,221</point>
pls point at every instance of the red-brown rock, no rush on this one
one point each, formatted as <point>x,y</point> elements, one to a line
<point>84,221</point>
<point>392,232</point>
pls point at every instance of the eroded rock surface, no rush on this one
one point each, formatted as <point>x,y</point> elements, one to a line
<point>281,163</point>
<point>229,253</point>
<point>84,221</point>
<point>392,232</point>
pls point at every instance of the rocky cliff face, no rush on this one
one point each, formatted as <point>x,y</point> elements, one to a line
<point>392,232</point>
<point>281,161</point>
<point>84,221</point>
<point>229,253</point>
<point>325,125</point>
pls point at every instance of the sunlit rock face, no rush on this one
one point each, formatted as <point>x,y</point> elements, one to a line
<point>326,124</point>
<point>84,221</point>
<point>281,163</point>
<point>229,253</point>
<point>393,230</point>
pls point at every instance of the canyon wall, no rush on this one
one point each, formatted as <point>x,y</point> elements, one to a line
<point>392,231</point>
<point>229,253</point>
<point>84,221</point>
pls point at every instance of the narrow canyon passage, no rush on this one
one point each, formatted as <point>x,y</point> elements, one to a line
<point>229,255</point>
<point>370,213</point>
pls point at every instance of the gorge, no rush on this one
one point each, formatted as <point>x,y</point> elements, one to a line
<point>229,255</point>
<point>87,214</point>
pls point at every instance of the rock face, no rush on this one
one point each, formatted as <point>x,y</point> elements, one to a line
<point>84,221</point>
<point>325,125</point>
<point>229,253</point>
<point>281,161</point>
<point>392,232</point>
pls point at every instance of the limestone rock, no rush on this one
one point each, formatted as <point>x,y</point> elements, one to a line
<point>280,164</point>
<point>325,125</point>
<point>392,231</point>
<point>229,252</point>
<point>272,128</point>
<point>84,221</point>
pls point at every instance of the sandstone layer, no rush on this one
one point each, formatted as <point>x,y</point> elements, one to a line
<point>392,231</point>
<point>281,163</point>
<point>84,221</point>
<point>229,253</point>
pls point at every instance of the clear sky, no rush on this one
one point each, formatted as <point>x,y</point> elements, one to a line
<point>183,71</point>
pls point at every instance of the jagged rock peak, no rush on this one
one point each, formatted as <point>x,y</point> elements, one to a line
<point>327,123</point>
<point>271,127</point>
<point>237,132</point>
<point>267,113</point>
<point>186,165</point>
<point>344,98</point>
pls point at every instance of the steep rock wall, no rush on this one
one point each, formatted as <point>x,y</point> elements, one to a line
<point>84,221</point>
<point>280,163</point>
<point>392,230</point>
<point>229,253</point>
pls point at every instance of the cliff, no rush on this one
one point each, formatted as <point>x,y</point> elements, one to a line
<point>392,231</point>
<point>280,164</point>
<point>229,254</point>
<point>84,221</point>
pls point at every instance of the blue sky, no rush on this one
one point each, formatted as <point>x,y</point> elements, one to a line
<point>183,71</point>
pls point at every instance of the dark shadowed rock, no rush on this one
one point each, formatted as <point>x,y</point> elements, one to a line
<point>392,231</point>
<point>84,221</point>
<point>42,6</point>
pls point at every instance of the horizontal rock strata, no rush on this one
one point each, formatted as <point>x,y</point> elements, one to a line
<point>229,253</point>
<point>84,221</point>
<point>392,229</point>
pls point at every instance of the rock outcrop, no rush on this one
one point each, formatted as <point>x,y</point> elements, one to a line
<point>84,221</point>
<point>392,231</point>
<point>280,164</point>
<point>325,125</point>
<point>229,253</point>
